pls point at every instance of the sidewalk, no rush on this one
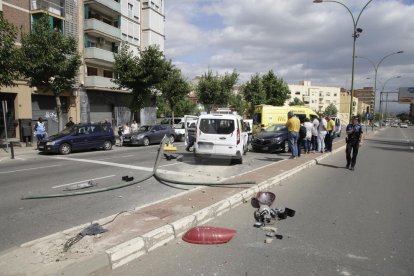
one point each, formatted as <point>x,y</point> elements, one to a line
<point>142,230</point>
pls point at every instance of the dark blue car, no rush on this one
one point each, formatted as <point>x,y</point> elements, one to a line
<point>79,137</point>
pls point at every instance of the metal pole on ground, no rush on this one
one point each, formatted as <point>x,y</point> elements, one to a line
<point>12,150</point>
<point>4,107</point>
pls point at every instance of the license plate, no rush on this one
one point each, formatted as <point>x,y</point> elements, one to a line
<point>265,148</point>
<point>127,140</point>
<point>41,147</point>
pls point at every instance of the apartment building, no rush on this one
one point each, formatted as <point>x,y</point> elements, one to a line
<point>100,26</point>
<point>18,98</point>
<point>107,24</point>
<point>315,97</point>
<point>365,95</point>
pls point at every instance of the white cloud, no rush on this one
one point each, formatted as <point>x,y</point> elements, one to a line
<point>297,39</point>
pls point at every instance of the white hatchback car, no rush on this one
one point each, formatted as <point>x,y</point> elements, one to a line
<point>221,136</point>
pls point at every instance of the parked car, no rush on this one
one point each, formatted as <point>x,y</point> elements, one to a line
<point>79,137</point>
<point>148,134</point>
<point>272,139</point>
<point>403,125</point>
<point>394,125</point>
<point>221,136</point>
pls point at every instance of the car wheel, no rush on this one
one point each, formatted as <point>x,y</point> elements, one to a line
<point>172,139</point>
<point>107,145</point>
<point>285,147</point>
<point>146,141</point>
<point>65,149</point>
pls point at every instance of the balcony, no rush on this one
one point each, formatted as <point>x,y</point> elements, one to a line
<point>48,6</point>
<point>102,29</point>
<point>98,82</point>
<point>99,56</point>
<point>102,5</point>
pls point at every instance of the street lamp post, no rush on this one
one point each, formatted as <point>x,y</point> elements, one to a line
<point>355,35</point>
<point>382,92</point>
<point>376,66</point>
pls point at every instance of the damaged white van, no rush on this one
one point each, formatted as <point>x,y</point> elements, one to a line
<point>221,136</point>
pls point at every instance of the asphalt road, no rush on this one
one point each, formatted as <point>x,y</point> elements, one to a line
<point>347,223</point>
<point>38,174</point>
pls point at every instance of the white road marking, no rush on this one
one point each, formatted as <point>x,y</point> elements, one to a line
<point>411,148</point>
<point>30,169</point>
<point>125,166</point>
<point>73,183</point>
<point>357,257</point>
<point>114,157</point>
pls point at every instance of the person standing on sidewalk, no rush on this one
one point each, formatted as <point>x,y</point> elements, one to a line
<point>70,123</point>
<point>301,139</point>
<point>353,142</point>
<point>307,141</point>
<point>40,131</point>
<point>293,125</point>
<point>330,133</point>
<point>314,140</point>
<point>321,135</point>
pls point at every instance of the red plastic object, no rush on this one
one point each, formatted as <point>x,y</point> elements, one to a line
<point>208,235</point>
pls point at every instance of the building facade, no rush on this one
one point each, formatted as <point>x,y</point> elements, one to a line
<point>100,26</point>
<point>365,95</point>
<point>316,98</point>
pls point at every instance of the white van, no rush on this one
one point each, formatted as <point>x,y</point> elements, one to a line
<point>221,135</point>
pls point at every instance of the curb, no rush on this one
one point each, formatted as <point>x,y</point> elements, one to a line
<point>130,250</point>
<point>133,249</point>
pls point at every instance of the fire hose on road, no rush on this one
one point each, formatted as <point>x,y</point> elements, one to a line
<point>130,183</point>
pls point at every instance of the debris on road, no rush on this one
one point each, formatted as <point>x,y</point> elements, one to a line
<point>208,235</point>
<point>91,230</point>
<point>80,186</point>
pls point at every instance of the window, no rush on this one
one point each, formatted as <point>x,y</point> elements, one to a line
<point>335,94</point>
<point>108,74</point>
<point>217,126</point>
<point>92,71</point>
<point>130,8</point>
<point>297,93</point>
<point>90,44</point>
<point>328,94</point>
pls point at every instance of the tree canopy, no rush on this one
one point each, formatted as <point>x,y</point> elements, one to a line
<point>330,110</point>
<point>49,60</point>
<point>143,74</point>
<point>174,90</point>
<point>254,93</point>
<point>216,90</point>
<point>296,101</point>
<point>8,53</point>
<point>277,91</point>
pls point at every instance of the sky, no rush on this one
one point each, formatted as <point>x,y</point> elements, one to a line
<point>297,39</point>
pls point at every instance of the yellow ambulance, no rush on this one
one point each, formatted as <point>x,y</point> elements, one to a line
<point>266,115</point>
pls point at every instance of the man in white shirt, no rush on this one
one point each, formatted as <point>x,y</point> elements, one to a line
<point>321,135</point>
<point>314,140</point>
<point>134,126</point>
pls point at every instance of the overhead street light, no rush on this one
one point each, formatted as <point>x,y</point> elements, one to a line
<point>376,66</point>
<point>355,35</point>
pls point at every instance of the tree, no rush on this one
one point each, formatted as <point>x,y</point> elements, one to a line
<point>277,91</point>
<point>215,90</point>
<point>50,61</point>
<point>403,116</point>
<point>296,101</point>
<point>174,89</point>
<point>8,53</point>
<point>238,103</point>
<point>331,110</point>
<point>254,93</point>
<point>142,75</point>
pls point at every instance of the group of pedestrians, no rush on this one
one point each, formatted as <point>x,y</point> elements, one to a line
<point>318,135</point>
<point>125,129</point>
<point>315,136</point>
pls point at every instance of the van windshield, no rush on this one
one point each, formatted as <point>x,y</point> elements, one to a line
<point>217,126</point>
